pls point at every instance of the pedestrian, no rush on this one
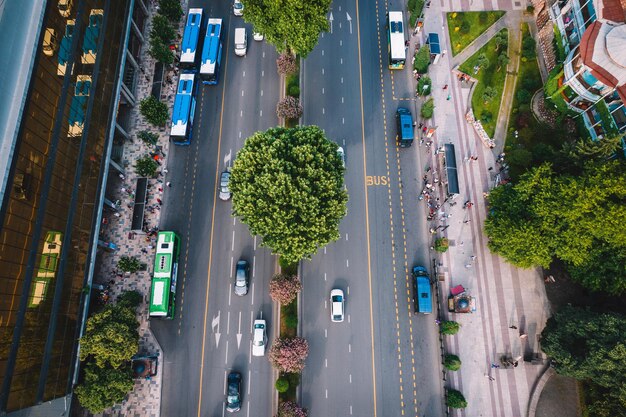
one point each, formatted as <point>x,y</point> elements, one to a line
<point>473,257</point>
<point>449,97</point>
<point>421,125</point>
<point>495,365</point>
<point>445,87</point>
<point>437,321</point>
<point>165,170</point>
<point>169,184</point>
<point>474,158</point>
<point>490,169</point>
<point>116,214</point>
<point>122,176</point>
<point>513,327</point>
<point>159,202</point>
<point>466,221</point>
<point>462,243</point>
<point>523,336</point>
<point>468,266</point>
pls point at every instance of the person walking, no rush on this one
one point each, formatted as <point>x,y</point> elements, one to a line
<point>169,184</point>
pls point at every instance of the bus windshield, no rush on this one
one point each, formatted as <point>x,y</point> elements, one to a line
<point>395,40</point>
<point>211,52</point>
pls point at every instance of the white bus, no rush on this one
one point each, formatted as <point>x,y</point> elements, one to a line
<point>395,40</point>
<point>211,52</point>
<point>191,39</point>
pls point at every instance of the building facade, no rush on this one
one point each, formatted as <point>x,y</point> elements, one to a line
<point>69,76</point>
<point>593,81</point>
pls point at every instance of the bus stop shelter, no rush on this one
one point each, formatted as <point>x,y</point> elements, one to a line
<point>451,170</point>
<point>139,208</point>
<point>434,46</point>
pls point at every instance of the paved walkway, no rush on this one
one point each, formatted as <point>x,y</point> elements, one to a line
<point>145,399</point>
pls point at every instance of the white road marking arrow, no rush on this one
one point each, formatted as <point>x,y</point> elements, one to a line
<point>330,19</point>
<point>239,332</point>
<point>349,21</point>
<point>215,325</point>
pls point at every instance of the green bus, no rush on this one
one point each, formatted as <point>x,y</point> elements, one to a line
<point>163,292</point>
<point>47,271</point>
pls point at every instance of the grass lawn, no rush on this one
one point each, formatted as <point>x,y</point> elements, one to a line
<point>487,77</point>
<point>464,27</point>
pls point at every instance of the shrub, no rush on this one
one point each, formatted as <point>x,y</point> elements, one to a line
<point>160,51</point>
<point>449,327</point>
<point>129,264</point>
<point>424,86</point>
<point>455,399</point>
<point>523,96</point>
<point>154,111</point>
<point>171,9</point>
<point>428,109</point>
<point>146,167</point>
<point>148,137</point>
<point>282,384</point>
<point>452,362</point>
<point>284,288</point>
<point>489,94</point>
<point>289,355</point>
<point>289,108</point>
<point>465,27</point>
<point>442,244</point>
<point>482,61</point>
<point>286,64</point>
<point>486,116</point>
<point>529,48</point>
<point>482,18</point>
<point>530,9</point>
<point>422,60</point>
<point>294,91</point>
<point>103,387</point>
<point>130,299</point>
<point>291,409</point>
<point>288,268</point>
<point>162,29</point>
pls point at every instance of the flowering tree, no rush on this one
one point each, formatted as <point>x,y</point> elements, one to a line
<point>286,64</point>
<point>284,288</point>
<point>291,409</point>
<point>289,354</point>
<point>289,108</point>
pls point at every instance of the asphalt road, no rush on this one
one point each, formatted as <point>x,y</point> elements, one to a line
<point>212,331</point>
<point>382,360</point>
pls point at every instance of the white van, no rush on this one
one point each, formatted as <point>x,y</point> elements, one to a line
<point>241,41</point>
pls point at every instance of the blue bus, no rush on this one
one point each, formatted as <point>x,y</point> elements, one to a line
<point>211,52</point>
<point>184,109</point>
<point>191,36</point>
<point>423,296</point>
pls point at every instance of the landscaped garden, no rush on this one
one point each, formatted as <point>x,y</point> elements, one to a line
<point>488,66</point>
<point>464,27</point>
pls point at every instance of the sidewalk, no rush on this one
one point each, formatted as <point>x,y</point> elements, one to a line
<point>145,399</point>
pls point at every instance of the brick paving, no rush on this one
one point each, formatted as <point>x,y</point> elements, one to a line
<point>145,399</point>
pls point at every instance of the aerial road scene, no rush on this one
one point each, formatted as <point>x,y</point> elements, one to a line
<point>313,208</point>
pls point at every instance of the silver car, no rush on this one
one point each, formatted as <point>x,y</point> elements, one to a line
<point>224,190</point>
<point>336,305</point>
<point>242,277</point>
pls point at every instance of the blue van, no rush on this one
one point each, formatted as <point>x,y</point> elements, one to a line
<point>423,294</point>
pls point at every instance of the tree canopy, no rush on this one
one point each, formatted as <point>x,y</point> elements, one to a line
<point>292,25</point>
<point>103,387</point>
<point>578,219</point>
<point>287,186</point>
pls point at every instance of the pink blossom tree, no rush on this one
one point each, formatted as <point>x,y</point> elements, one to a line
<point>291,409</point>
<point>289,108</point>
<point>286,64</point>
<point>284,288</point>
<point>289,354</point>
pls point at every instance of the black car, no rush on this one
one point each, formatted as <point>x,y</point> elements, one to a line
<point>233,395</point>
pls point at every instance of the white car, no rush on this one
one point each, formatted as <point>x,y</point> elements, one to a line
<point>336,305</point>
<point>259,338</point>
<point>257,36</point>
<point>238,8</point>
<point>342,155</point>
<point>224,180</point>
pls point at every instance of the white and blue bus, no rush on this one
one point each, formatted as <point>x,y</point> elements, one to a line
<point>211,52</point>
<point>395,40</point>
<point>184,109</point>
<point>191,37</point>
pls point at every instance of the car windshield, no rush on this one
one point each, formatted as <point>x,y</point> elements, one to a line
<point>238,5</point>
<point>336,298</point>
<point>233,399</point>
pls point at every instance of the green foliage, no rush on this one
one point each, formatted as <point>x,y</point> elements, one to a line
<point>282,384</point>
<point>130,299</point>
<point>289,26</point>
<point>160,51</point>
<point>162,29</point>
<point>103,387</point>
<point>290,312</point>
<point>608,124</point>
<point>148,138</point>
<point>489,94</point>
<point>111,337</point>
<point>424,86</point>
<point>154,111</point>
<point>428,109</point>
<point>449,328</point>
<point>486,116</point>
<point>422,60</point>
<point>462,34</point>
<point>465,27</point>
<point>454,399</point>
<point>171,9</point>
<point>452,362</point>
<point>287,186</point>
<point>503,61</point>
<point>558,45</point>
<point>288,268</point>
<point>146,167</point>
<point>129,264</point>
<point>442,244</point>
<point>529,48</point>
<point>482,61</point>
<point>584,151</point>
<point>523,96</point>
<point>294,91</point>
<point>415,7</point>
<point>501,40</point>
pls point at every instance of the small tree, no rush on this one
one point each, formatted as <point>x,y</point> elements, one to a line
<point>130,299</point>
<point>171,9</point>
<point>153,110</point>
<point>455,399</point>
<point>282,384</point>
<point>523,96</point>
<point>162,29</point>
<point>286,64</point>
<point>452,362</point>
<point>160,51</point>
<point>284,288</point>
<point>129,264</point>
<point>422,60</point>
<point>501,39</point>
<point>503,61</point>
<point>449,328</point>
<point>289,355</point>
<point>442,244</point>
<point>529,48</point>
<point>489,94</point>
<point>482,61</point>
<point>103,387</point>
<point>424,86</point>
<point>428,109</point>
<point>148,138</point>
<point>146,167</point>
<point>291,409</point>
<point>289,108</point>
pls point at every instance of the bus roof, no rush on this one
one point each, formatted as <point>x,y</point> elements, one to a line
<point>182,105</point>
<point>159,297</point>
<point>424,299</point>
<point>164,255</point>
<point>191,35</point>
<point>211,46</point>
<point>396,35</point>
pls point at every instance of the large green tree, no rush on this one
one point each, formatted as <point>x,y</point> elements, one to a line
<point>287,186</point>
<point>289,25</point>
<point>591,347</point>
<point>103,387</point>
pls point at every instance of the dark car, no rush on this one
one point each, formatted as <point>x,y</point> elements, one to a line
<point>233,394</point>
<point>242,277</point>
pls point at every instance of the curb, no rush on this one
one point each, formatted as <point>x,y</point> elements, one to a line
<point>538,389</point>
